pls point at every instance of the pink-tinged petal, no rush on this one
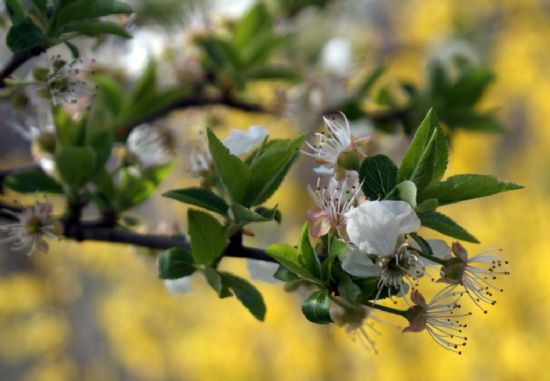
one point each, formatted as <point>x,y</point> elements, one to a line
<point>42,245</point>
<point>418,299</point>
<point>460,251</point>
<point>319,223</point>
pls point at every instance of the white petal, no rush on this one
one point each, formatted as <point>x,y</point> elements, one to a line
<point>406,218</point>
<point>260,270</point>
<point>336,56</point>
<point>321,170</point>
<point>239,142</point>
<point>178,286</point>
<point>373,228</point>
<point>356,263</point>
<point>439,247</point>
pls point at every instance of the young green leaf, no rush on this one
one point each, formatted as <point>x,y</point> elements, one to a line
<point>288,257</point>
<point>208,237</point>
<point>199,197</point>
<point>24,35</point>
<point>175,263</point>
<point>249,296</point>
<point>466,187</point>
<point>75,164</point>
<point>285,275</point>
<point>443,224</point>
<point>243,215</point>
<point>32,182</point>
<point>270,168</point>
<point>85,10</point>
<point>348,289</point>
<point>427,156</point>
<point>217,283</point>
<point>316,308</point>
<point>378,175</point>
<point>407,192</point>
<point>96,28</point>
<point>232,171</point>
<point>306,255</point>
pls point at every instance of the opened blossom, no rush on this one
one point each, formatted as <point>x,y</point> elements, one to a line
<point>357,321</point>
<point>336,148</point>
<point>332,203</point>
<point>440,318</point>
<point>378,247</point>
<point>33,225</point>
<point>474,274</point>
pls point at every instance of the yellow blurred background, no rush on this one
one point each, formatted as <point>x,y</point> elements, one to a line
<point>98,312</point>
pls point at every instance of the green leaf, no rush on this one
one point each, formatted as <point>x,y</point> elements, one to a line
<point>285,275</point>
<point>270,214</point>
<point>443,224</point>
<point>243,215</point>
<point>96,28</point>
<point>427,155</point>
<point>101,139</point>
<point>232,171</point>
<point>424,245</point>
<point>465,187</point>
<point>249,296</point>
<point>215,281</point>
<point>407,192</point>
<point>336,247</point>
<point>428,205</point>
<point>199,197</point>
<point>85,9</point>
<point>208,238</point>
<point>15,10</point>
<point>378,175</point>
<point>175,263</point>
<point>348,289</point>
<point>288,257</point>
<point>369,81</point>
<point>75,164</point>
<point>256,19</point>
<point>269,169</point>
<point>24,35</point>
<point>32,182</point>
<point>306,255</point>
<point>316,308</point>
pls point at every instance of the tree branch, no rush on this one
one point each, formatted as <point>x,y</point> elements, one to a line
<point>98,232</point>
<point>17,60</point>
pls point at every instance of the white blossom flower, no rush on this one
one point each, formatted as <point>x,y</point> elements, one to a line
<point>261,270</point>
<point>333,202</point>
<point>474,274</point>
<point>33,225</point>
<point>179,285</point>
<point>357,321</point>
<point>438,318</point>
<point>376,230</point>
<point>67,82</point>
<point>238,142</point>
<point>151,146</point>
<point>37,126</point>
<point>336,56</point>
<point>332,144</point>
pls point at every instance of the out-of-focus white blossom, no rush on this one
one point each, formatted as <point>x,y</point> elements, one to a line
<point>33,225</point>
<point>179,285</point>
<point>261,270</point>
<point>336,56</point>
<point>152,146</point>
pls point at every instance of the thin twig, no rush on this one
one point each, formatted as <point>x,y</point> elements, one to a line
<point>17,60</point>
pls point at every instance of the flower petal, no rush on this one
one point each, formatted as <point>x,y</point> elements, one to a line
<point>260,270</point>
<point>356,263</point>
<point>373,228</point>
<point>402,211</point>
<point>178,286</point>
<point>239,142</point>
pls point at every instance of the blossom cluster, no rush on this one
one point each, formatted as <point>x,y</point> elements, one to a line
<point>382,243</point>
